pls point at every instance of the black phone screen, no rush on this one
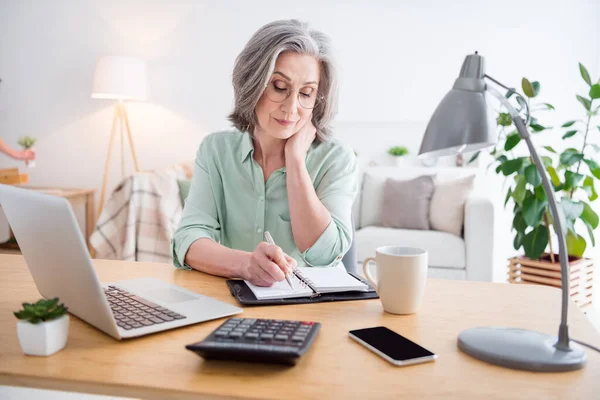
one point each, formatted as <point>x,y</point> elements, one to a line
<point>390,343</point>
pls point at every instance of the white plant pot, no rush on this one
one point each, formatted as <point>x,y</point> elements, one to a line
<point>43,338</point>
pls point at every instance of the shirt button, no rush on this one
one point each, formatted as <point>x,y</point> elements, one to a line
<point>259,230</point>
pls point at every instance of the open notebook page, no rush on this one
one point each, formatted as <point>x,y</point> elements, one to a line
<point>332,279</point>
<point>281,290</point>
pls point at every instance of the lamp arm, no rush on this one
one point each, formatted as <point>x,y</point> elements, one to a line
<point>563,332</point>
<point>515,92</point>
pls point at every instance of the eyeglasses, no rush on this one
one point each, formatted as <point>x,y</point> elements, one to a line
<point>278,92</point>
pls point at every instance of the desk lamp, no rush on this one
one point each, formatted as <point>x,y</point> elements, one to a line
<point>463,122</point>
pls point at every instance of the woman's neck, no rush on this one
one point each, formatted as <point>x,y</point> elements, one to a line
<point>269,152</point>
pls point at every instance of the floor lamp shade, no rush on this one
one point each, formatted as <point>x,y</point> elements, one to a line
<point>121,78</point>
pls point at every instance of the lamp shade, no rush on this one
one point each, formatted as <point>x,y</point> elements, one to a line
<point>122,78</point>
<point>462,121</point>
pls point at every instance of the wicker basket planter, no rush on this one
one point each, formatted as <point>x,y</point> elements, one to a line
<point>544,272</point>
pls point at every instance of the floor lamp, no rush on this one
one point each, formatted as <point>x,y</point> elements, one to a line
<point>119,78</point>
<point>463,122</point>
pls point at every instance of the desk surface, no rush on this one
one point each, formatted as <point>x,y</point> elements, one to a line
<point>158,366</point>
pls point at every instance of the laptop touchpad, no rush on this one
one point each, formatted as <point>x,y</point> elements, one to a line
<point>169,295</point>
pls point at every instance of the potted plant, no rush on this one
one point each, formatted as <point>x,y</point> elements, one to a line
<point>43,327</point>
<point>398,152</point>
<point>573,172</point>
<point>27,142</point>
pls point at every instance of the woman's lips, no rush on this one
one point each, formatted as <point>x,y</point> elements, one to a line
<point>284,122</point>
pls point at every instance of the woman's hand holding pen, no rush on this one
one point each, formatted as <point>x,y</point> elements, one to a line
<point>268,264</point>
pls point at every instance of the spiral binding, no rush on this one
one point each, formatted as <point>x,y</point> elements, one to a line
<point>304,281</point>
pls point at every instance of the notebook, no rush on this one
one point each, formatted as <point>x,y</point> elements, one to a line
<point>309,282</point>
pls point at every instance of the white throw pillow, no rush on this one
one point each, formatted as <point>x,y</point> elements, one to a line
<point>447,207</point>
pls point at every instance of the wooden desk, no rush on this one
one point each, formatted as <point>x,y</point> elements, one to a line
<point>158,366</point>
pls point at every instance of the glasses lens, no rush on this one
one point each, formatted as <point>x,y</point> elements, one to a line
<point>279,93</point>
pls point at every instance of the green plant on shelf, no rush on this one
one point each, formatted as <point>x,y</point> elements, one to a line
<point>398,151</point>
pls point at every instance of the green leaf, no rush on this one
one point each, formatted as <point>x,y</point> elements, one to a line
<point>571,209</point>
<point>520,190</point>
<point>572,179</point>
<point>591,234</point>
<point>549,106</point>
<point>535,242</point>
<point>594,167</point>
<point>519,223</point>
<point>508,196</point>
<point>504,119</point>
<point>569,134</point>
<point>533,209</point>
<point>586,102</point>
<point>570,157</point>
<point>521,102</point>
<point>550,149</point>
<point>512,166</point>
<point>575,244</point>
<point>536,88</point>
<point>588,186</point>
<point>547,161</point>
<point>595,146</point>
<point>518,242</point>
<point>511,141</point>
<point>568,124</point>
<point>540,193</point>
<point>595,91</point>
<point>589,216</point>
<point>527,88</point>
<point>537,127</point>
<point>585,74</point>
<point>532,176</point>
<point>474,157</point>
<point>553,176</point>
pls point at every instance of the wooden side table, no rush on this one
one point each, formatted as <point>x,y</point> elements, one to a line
<point>74,196</point>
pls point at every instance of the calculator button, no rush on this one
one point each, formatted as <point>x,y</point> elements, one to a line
<point>235,334</point>
<point>281,337</point>
<point>221,333</point>
<point>298,338</point>
<point>252,335</point>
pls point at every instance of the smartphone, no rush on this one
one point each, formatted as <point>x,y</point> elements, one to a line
<point>391,346</point>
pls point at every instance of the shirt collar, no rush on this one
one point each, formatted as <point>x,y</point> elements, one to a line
<point>246,146</point>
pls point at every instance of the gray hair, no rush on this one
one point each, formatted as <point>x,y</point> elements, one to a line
<point>255,65</point>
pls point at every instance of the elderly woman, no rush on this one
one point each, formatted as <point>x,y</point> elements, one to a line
<point>279,170</point>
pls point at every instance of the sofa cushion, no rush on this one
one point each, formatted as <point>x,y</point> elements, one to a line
<point>370,198</point>
<point>445,249</point>
<point>448,204</point>
<point>406,203</point>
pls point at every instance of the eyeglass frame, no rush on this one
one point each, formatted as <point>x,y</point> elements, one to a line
<point>319,98</point>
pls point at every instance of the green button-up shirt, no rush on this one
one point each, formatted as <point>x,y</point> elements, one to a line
<point>230,203</point>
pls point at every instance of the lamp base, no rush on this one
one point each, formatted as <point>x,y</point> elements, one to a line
<point>520,349</point>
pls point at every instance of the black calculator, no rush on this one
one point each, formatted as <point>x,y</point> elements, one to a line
<point>258,340</point>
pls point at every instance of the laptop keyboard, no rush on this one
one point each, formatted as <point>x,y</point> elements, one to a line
<point>132,311</point>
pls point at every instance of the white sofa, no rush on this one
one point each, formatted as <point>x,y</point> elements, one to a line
<point>470,257</point>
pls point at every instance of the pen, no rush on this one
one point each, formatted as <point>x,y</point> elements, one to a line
<point>287,276</point>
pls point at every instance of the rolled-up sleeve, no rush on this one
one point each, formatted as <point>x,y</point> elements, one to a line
<point>336,190</point>
<point>200,215</point>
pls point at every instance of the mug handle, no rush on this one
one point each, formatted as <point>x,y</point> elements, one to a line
<point>368,273</point>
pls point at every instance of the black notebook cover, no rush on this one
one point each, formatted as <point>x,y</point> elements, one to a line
<point>242,292</point>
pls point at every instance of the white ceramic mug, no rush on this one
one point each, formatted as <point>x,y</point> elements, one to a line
<point>401,277</point>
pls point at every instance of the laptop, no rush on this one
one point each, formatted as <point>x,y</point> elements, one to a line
<point>57,256</point>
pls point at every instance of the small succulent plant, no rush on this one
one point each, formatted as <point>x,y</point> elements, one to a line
<point>27,142</point>
<point>398,151</point>
<point>42,311</point>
